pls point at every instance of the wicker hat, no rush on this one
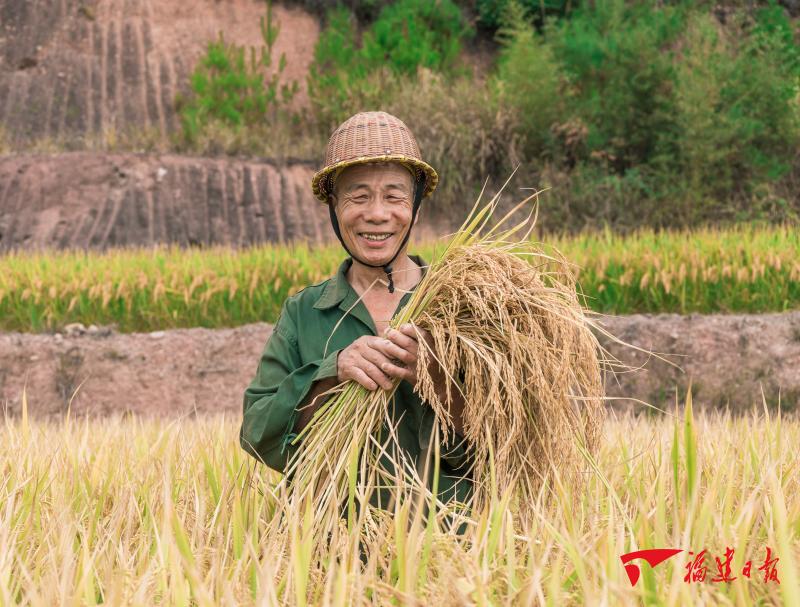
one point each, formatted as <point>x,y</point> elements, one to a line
<point>371,137</point>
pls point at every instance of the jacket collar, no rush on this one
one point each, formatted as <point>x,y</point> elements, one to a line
<point>337,289</point>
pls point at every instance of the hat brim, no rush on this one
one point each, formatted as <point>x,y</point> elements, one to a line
<point>320,183</point>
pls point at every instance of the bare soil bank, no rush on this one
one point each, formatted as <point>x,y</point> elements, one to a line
<point>90,200</point>
<point>728,360</point>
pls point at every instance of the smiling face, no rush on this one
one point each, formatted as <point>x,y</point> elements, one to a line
<point>373,203</point>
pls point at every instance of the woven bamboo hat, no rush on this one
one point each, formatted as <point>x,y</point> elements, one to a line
<point>371,137</point>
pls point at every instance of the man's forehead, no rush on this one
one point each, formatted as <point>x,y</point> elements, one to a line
<point>363,175</point>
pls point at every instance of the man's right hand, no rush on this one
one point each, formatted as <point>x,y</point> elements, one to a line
<point>373,362</point>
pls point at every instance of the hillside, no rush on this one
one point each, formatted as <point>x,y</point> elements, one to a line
<point>641,115</point>
<point>92,200</point>
<point>75,71</point>
<point>85,76</point>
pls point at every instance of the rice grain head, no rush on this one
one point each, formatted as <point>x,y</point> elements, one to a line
<point>507,319</point>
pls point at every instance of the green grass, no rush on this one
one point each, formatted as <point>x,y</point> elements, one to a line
<point>746,269</point>
<point>130,511</point>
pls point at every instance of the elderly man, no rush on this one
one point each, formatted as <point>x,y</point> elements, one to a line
<point>373,182</point>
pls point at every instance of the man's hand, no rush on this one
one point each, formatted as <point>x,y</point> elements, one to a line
<point>375,362</point>
<point>372,362</point>
<point>406,337</point>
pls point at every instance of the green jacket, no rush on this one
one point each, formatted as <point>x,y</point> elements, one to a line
<point>296,356</point>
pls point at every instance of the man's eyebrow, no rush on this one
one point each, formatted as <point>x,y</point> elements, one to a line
<point>355,186</point>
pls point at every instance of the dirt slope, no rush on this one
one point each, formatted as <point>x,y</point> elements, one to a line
<point>70,69</point>
<point>89,200</point>
<point>728,359</point>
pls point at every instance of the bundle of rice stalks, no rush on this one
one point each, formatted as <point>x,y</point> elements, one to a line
<point>506,320</point>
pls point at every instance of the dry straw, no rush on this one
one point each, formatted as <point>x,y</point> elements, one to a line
<point>508,327</point>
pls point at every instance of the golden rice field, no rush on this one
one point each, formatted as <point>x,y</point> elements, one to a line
<point>744,269</point>
<point>128,511</point>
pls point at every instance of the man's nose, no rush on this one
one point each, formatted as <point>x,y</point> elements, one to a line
<point>377,211</point>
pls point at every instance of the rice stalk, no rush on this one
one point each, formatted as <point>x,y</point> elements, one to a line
<point>95,503</point>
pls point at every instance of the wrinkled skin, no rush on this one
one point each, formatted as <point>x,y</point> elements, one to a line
<point>377,199</point>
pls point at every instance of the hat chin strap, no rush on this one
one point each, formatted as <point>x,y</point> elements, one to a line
<point>387,267</point>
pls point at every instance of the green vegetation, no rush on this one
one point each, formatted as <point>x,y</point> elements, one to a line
<point>657,115</point>
<point>633,113</point>
<point>364,69</point>
<point>747,269</point>
<point>229,88</point>
<point>492,13</point>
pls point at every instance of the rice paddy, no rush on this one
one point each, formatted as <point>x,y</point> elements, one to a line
<point>129,511</point>
<point>744,269</point>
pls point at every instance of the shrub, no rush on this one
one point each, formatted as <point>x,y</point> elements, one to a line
<point>415,33</point>
<point>229,87</point>
<point>364,11</point>
<point>531,84</point>
<point>337,75</point>
<point>463,131</point>
<point>407,35</point>
<point>738,126</point>
<point>619,61</point>
<point>588,196</point>
<point>667,117</point>
<point>490,13</point>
